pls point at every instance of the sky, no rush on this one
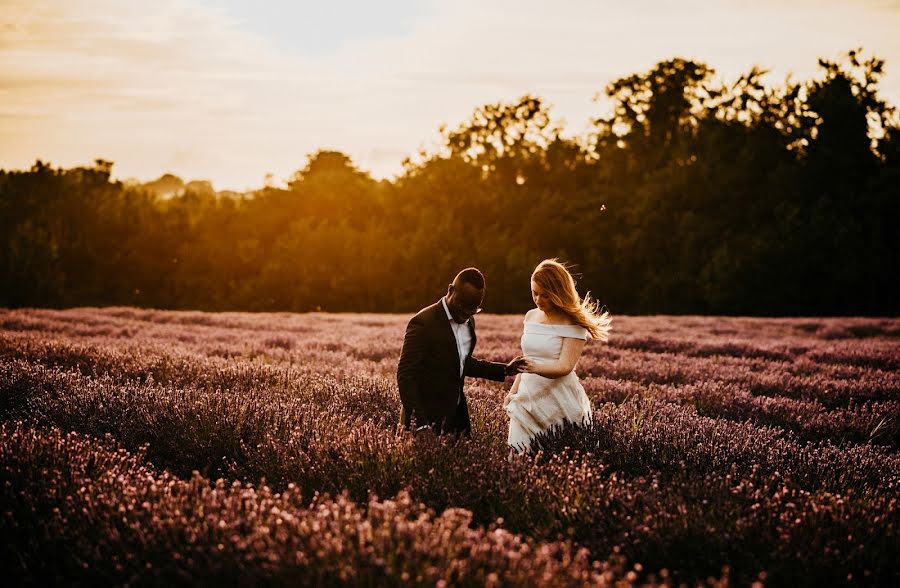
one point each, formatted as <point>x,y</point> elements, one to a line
<point>231,91</point>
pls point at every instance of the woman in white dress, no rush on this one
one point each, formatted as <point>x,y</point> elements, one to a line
<point>547,392</point>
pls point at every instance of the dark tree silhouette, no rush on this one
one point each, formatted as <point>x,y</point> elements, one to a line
<point>691,196</point>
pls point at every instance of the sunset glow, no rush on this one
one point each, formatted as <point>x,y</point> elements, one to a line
<point>218,90</point>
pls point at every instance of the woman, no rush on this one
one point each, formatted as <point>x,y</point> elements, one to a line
<point>547,392</point>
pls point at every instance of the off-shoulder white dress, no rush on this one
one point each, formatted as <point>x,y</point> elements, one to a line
<point>541,403</point>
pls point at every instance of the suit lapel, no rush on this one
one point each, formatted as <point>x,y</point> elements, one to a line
<point>449,337</point>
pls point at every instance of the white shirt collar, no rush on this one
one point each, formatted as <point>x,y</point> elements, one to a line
<point>447,310</point>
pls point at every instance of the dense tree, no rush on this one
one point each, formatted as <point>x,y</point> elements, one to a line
<point>691,196</point>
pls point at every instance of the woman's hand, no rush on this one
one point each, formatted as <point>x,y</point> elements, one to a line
<point>527,367</point>
<point>514,367</point>
<point>524,365</point>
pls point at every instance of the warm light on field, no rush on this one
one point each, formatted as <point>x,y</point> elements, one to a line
<point>217,218</point>
<point>764,445</point>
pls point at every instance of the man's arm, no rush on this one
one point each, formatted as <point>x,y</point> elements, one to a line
<point>409,369</point>
<point>488,370</point>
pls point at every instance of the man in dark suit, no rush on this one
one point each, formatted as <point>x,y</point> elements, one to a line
<point>437,356</point>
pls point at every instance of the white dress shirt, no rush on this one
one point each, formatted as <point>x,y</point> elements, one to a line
<point>463,336</point>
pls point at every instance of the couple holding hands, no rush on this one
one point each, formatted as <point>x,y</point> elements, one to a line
<point>437,357</point>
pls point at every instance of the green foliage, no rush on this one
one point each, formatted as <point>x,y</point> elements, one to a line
<point>691,196</point>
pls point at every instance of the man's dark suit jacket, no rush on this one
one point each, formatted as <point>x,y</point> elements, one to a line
<point>428,373</point>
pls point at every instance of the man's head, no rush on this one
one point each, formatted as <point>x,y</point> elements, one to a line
<point>465,294</point>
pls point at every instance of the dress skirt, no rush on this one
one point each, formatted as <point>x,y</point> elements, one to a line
<point>544,403</point>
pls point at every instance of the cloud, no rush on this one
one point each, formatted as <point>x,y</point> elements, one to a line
<point>188,87</point>
<point>146,85</point>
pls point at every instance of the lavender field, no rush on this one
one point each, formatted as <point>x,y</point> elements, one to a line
<point>148,447</point>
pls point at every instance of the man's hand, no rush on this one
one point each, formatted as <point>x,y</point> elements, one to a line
<point>516,365</point>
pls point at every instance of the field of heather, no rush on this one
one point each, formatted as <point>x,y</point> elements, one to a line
<point>148,447</point>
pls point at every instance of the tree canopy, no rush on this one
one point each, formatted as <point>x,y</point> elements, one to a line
<point>692,195</point>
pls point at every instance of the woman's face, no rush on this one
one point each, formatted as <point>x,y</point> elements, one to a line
<point>539,297</point>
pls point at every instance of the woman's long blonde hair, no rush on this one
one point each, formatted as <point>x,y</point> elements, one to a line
<point>559,286</point>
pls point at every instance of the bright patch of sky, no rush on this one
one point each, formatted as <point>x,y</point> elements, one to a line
<point>320,28</point>
<point>230,90</point>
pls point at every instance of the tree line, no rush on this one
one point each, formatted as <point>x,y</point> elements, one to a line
<point>692,195</point>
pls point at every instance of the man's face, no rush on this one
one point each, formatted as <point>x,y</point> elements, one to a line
<point>463,301</point>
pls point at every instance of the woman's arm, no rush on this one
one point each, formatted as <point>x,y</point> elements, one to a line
<point>568,357</point>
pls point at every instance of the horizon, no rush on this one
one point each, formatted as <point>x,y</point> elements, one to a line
<point>219,91</point>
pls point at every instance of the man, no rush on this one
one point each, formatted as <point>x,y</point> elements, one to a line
<point>437,356</point>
